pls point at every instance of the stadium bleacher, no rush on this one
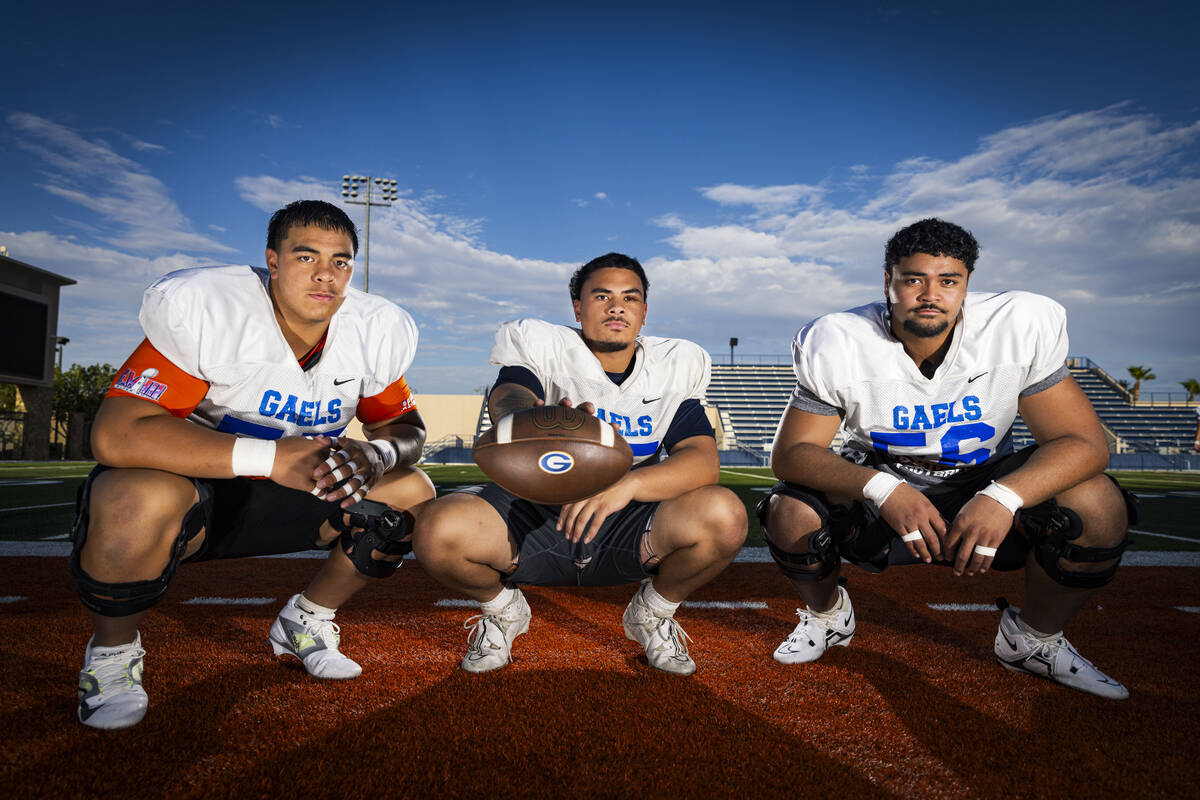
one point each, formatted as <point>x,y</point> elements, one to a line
<point>754,395</point>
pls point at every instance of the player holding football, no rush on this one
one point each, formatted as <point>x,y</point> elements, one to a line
<point>927,386</point>
<point>219,438</point>
<point>665,523</point>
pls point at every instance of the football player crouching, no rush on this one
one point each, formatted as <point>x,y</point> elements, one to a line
<point>926,387</point>
<point>664,524</point>
<point>221,438</point>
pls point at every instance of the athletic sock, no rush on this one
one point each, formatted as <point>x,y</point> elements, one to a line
<point>1035,633</point>
<point>658,605</point>
<point>309,607</point>
<point>830,613</point>
<point>497,603</point>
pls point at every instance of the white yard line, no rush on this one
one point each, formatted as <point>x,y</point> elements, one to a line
<point>763,478</point>
<point>229,601</point>
<point>34,508</point>
<point>962,606</point>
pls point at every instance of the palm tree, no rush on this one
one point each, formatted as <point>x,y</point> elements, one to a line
<point>1140,374</point>
<point>1192,386</point>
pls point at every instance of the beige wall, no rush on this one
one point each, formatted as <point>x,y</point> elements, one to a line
<point>444,415</point>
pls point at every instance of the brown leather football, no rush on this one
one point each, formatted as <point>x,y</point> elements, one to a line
<point>553,454</point>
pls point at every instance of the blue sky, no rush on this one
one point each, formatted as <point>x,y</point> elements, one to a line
<point>754,156</point>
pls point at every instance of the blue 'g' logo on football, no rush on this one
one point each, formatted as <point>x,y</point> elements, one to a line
<point>556,462</point>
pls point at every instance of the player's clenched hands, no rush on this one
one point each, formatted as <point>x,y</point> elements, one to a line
<point>983,522</point>
<point>296,458</point>
<point>582,520</point>
<point>909,512</point>
<point>355,465</point>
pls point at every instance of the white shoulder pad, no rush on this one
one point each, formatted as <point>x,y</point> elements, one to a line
<point>386,332</point>
<point>689,363</point>
<point>184,309</point>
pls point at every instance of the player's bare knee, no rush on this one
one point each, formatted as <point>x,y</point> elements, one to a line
<point>1104,514</point>
<point>444,532</point>
<point>723,518</point>
<point>404,488</point>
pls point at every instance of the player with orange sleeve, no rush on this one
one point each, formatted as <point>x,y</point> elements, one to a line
<point>221,437</point>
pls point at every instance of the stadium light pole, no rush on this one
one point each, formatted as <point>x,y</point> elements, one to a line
<point>732,344</point>
<point>387,193</point>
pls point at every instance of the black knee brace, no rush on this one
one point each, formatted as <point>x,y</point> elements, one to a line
<point>821,550</point>
<point>131,597</point>
<point>374,527</point>
<point>1052,529</point>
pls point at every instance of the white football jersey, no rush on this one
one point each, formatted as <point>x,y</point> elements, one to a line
<point>1006,346</point>
<point>218,325</point>
<point>665,373</point>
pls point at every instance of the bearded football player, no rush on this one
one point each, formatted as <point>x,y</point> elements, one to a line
<point>222,437</point>
<point>926,386</point>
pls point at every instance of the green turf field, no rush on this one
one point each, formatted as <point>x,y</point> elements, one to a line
<point>36,499</point>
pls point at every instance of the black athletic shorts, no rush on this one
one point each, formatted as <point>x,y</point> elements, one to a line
<point>241,517</point>
<point>865,540</point>
<point>548,558</point>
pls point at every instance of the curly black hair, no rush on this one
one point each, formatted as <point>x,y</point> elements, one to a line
<point>936,238</point>
<point>608,261</point>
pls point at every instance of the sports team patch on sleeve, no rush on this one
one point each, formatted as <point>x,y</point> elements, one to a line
<point>394,401</point>
<point>150,375</point>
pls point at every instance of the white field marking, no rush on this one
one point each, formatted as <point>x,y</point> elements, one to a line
<point>764,478</point>
<point>34,508</point>
<point>963,606</point>
<point>1151,495</point>
<point>454,602</point>
<point>12,598</point>
<point>1189,609</point>
<point>1164,536</point>
<point>56,537</point>
<point>229,601</point>
<point>27,482</point>
<point>747,555</point>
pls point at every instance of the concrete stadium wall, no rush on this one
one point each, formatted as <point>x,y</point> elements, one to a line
<point>444,415</point>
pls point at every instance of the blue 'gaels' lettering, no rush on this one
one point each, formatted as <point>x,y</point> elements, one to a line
<point>645,425</point>
<point>297,411</point>
<point>270,403</point>
<point>922,418</point>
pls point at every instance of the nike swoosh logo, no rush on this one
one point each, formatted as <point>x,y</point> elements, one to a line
<point>347,380</point>
<point>1008,641</point>
<point>977,377</point>
<point>651,400</point>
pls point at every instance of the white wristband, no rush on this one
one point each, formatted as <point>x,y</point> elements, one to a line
<point>1003,495</point>
<point>880,488</point>
<point>253,457</point>
<point>387,451</point>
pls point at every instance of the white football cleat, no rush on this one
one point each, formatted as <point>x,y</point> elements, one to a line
<point>662,637</point>
<point>489,645</point>
<point>313,640</point>
<point>815,634</point>
<point>1056,660</point>
<point>110,686</point>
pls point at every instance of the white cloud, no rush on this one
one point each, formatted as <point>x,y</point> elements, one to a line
<point>763,197</point>
<point>1097,209</point>
<point>132,203</point>
<point>600,196</point>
